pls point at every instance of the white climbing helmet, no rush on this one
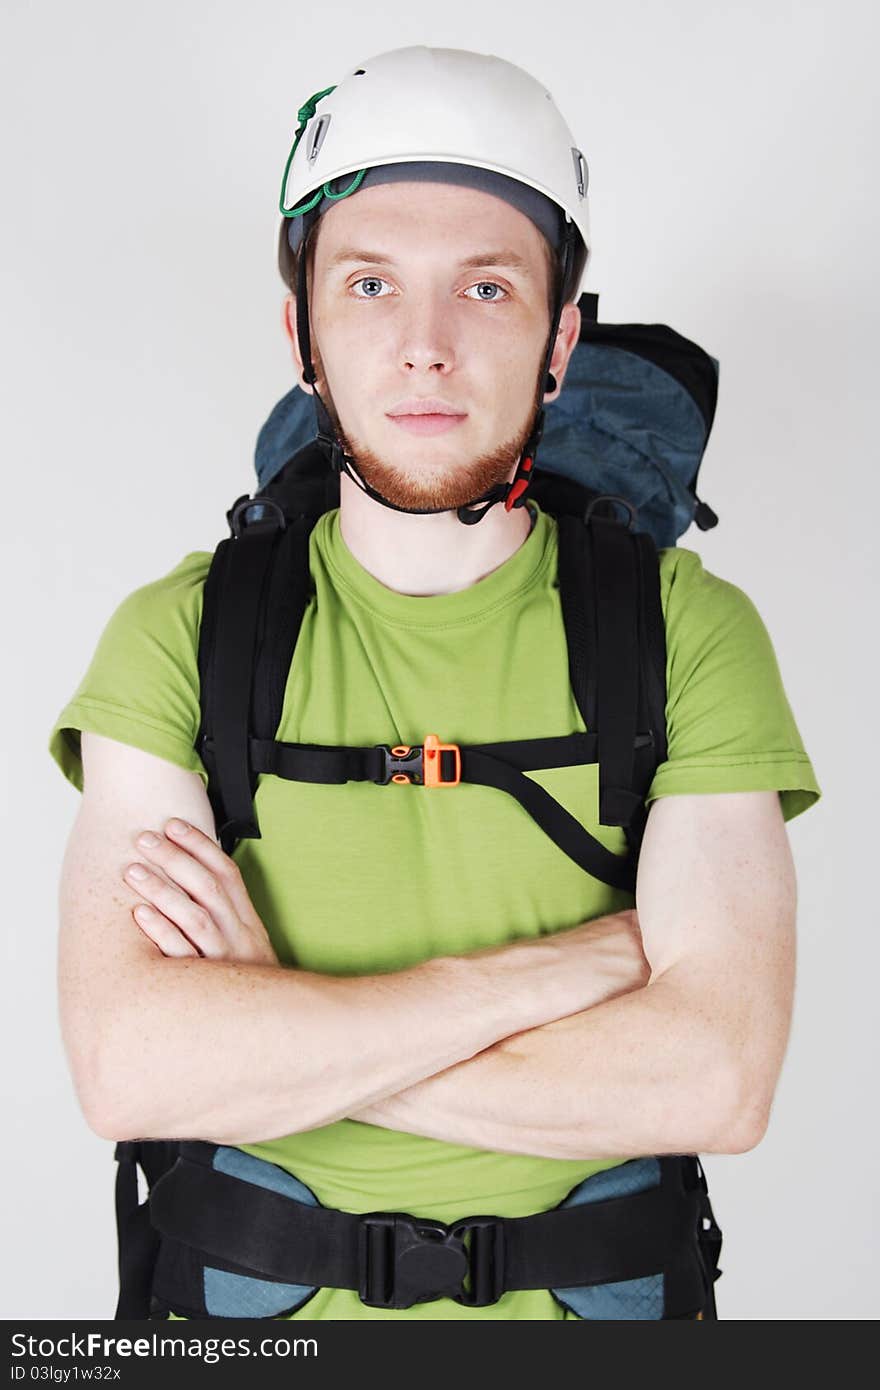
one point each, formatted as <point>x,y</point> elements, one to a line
<point>441,105</point>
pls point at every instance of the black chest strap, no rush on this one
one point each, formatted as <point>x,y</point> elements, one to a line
<point>498,765</point>
<point>255,598</point>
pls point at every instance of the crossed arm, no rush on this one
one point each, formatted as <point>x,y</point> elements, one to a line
<point>690,1062</point>
<point>687,1063</point>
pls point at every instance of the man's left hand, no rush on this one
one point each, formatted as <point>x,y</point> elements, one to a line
<point>198,905</point>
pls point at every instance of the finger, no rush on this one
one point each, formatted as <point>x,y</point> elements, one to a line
<point>190,918</point>
<point>164,934</point>
<point>219,864</point>
<point>196,878</point>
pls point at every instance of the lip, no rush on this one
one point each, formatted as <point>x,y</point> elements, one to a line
<point>427,424</point>
<point>424,405</point>
<point>426,415</point>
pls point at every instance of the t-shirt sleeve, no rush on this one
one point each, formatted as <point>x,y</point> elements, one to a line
<point>730,727</point>
<point>142,684</point>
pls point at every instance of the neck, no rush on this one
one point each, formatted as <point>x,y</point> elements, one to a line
<point>424,555</point>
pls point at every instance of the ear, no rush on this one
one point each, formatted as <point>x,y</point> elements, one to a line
<point>288,323</point>
<point>567,336</point>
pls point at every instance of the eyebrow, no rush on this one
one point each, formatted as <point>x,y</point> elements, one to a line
<point>508,259</point>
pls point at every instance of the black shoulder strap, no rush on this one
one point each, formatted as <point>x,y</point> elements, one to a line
<point>617,637</point>
<point>610,597</point>
<point>254,600</point>
<point>287,595</point>
<point>652,645</point>
<point>575,572</point>
<point>652,681</point>
<point>211,603</point>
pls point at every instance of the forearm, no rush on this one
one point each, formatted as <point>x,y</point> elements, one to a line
<point>240,1052</point>
<point>642,1073</point>
<point>236,1053</point>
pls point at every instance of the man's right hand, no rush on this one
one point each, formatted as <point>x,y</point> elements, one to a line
<point>608,948</point>
<point>567,971</point>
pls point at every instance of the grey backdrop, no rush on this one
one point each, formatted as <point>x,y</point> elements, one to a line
<point>732,154</point>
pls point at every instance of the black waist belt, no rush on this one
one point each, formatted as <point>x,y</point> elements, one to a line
<point>209,1218</point>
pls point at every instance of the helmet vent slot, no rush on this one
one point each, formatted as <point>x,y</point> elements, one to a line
<point>316,138</point>
<point>581,172</point>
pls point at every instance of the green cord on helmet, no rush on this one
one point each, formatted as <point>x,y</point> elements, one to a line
<point>352,187</point>
<point>304,115</point>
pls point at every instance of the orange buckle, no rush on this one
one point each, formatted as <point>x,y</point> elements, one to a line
<point>433,763</point>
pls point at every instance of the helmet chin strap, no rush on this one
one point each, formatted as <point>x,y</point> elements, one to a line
<point>512,494</point>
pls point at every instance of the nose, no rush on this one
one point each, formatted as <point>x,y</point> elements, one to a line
<point>426,335</point>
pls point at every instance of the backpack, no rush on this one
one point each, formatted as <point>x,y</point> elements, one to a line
<point>629,431</point>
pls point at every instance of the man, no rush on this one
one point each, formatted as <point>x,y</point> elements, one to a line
<point>414,1001</point>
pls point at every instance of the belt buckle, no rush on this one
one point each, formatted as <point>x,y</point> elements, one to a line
<point>429,764</point>
<point>485,1260</point>
<point>404,1260</point>
<point>403,763</point>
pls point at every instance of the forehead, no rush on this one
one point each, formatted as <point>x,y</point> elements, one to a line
<point>420,219</point>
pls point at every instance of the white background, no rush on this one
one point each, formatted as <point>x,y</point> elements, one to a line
<point>732,155</point>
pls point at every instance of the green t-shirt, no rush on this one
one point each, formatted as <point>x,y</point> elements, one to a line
<point>362,879</point>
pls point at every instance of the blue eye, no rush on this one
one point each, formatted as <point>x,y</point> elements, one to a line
<point>488,285</point>
<point>366,280</point>
<point>371,289</point>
